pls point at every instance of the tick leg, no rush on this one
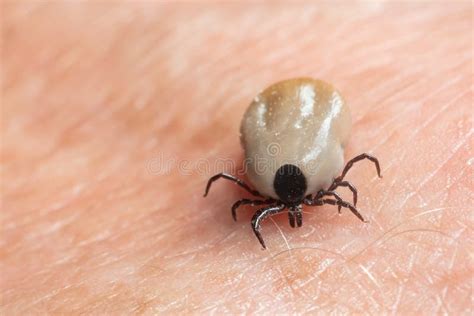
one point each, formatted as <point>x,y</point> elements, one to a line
<point>295,213</point>
<point>308,200</point>
<point>260,215</point>
<point>233,179</point>
<point>246,202</point>
<point>347,184</point>
<point>291,218</point>
<point>344,204</point>
<point>299,217</point>
<point>317,199</point>
<point>333,194</point>
<point>351,162</point>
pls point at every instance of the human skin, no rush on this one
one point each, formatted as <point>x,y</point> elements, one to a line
<point>96,97</point>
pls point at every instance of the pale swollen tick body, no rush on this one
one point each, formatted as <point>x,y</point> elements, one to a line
<point>293,134</point>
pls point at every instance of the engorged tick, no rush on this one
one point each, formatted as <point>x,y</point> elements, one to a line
<point>293,134</point>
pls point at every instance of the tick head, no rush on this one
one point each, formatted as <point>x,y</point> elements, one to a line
<point>290,184</point>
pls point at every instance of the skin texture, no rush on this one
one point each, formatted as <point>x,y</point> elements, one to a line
<point>299,121</point>
<point>96,97</point>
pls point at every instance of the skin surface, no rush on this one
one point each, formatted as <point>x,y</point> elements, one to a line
<point>97,97</point>
<point>300,121</point>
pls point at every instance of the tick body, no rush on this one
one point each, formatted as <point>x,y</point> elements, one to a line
<point>293,135</point>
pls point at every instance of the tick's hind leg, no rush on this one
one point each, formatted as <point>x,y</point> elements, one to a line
<point>248,202</point>
<point>344,204</point>
<point>260,215</point>
<point>236,180</point>
<point>317,199</point>
<point>335,195</point>
<point>351,162</point>
<point>347,184</point>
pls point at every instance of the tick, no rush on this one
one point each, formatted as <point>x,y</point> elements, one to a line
<point>294,134</point>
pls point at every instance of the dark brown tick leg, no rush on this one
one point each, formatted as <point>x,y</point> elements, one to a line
<point>347,184</point>
<point>260,215</point>
<point>323,193</point>
<point>299,217</point>
<point>351,162</point>
<point>343,204</point>
<point>233,179</point>
<point>291,218</point>
<point>247,202</point>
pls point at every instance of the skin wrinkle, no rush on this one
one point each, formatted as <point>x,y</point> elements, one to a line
<point>370,276</point>
<point>454,182</point>
<point>374,304</point>
<point>394,235</point>
<point>457,147</point>
<point>414,254</point>
<point>405,89</point>
<point>299,287</point>
<point>394,118</point>
<point>427,178</point>
<point>397,83</point>
<point>442,304</point>
<point>431,118</point>
<point>57,207</point>
<point>428,121</point>
<point>290,288</point>
<point>386,232</point>
<point>284,238</point>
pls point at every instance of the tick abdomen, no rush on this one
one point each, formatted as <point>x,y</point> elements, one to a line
<point>303,122</point>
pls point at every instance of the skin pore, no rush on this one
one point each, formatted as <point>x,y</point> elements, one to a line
<point>114,117</point>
